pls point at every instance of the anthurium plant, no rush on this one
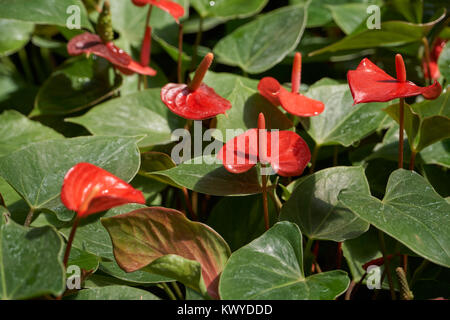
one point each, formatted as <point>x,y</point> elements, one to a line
<point>208,150</point>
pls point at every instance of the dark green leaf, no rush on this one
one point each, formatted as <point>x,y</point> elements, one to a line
<point>264,42</point>
<point>16,131</point>
<point>341,122</point>
<point>15,34</point>
<point>314,206</point>
<point>271,268</point>
<point>30,261</point>
<point>138,114</point>
<point>78,84</point>
<point>411,212</point>
<point>52,12</point>
<point>36,172</point>
<point>113,293</point>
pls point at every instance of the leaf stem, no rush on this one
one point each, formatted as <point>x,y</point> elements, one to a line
<point>419,271</point>
<point>426,46</point>
<point>177,290</point>
<point>314,158</point>
<point>70,240</point>
<point>400,132</point>
<point>168,291</point>
<point>412,160</point>
<point>276,200</point>
<point>198,39</point>
<point>29,218</point>
<point>386,263</point>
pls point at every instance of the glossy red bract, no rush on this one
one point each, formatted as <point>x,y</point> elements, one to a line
<point>369,83</point>
<point>203,103</point>
<point>241,153</point>
<point>294,103</point>
<point>90,43</point>
<point>88,189</point>
<point>174,9</point>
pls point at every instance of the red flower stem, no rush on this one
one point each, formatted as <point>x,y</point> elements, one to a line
<point>265,203</point>
<point>386,263</point>
<point>180,53</point>
<point>2,201</point>
<point>201,71</point>
<point>70,240</point>
<point>296,73</point>
<point>401,77</point>
<point>400,132</point>
<point>412,160</point>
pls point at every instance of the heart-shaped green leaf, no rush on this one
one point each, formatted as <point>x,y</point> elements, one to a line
<point>314,206</point>
<point>259,45</point>
<point>83,260</point>
<point>165,242</point>
<point>114,292</point>
<point>207,175</point>
<point>52,12</point>
<point>15,34</point>
<point>30,260</point>
<point>437,153</point>
<point>426,122</point>
<point>138,114</point>
<point>247,104</point>
<point>411,212</point>
<point>230,9</point>
<point>349,16</point>
<point>271,268</point>
<point>78,84</point>
<point>37,171</point>
<point>239,220</point>
<point>390,34</point>
<point>16,131</point>
<point>341,122</point>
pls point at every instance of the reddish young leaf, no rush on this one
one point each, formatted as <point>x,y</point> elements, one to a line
<point>195,101</point>
<point>144,235</point>
<point>293,102</point>
<point>369,83</point>
<point>88,189</point>
<point>286,151</point>
<point>174,9</point>
<point>90,43</point>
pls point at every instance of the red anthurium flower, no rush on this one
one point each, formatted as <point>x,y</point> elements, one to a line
<point>368,83</point>
<point>88,189</point>
<point>432,66</point>
<point>174,9</point>
<point>195,101</point>
<point>91,43</point>
<point>293,102</point>
<point>286,151</point>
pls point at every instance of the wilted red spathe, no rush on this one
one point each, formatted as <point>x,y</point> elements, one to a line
<point>195,101</point>
<point>293,102</point>
<point>174,9</point>
<point>369,83</point>
<point>240,154</point>
<point>88,189</point>
<point>90,43</point>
